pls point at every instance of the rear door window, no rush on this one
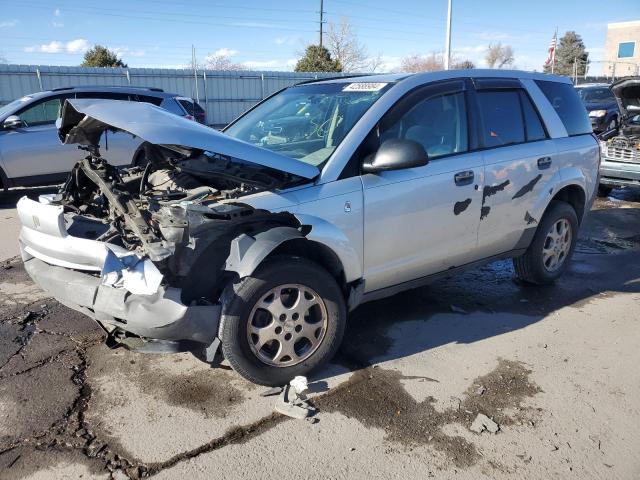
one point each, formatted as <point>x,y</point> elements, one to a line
<point>533,125</point>
<point>149,99</point>
<point>502,122</point>
<point>567,105</point>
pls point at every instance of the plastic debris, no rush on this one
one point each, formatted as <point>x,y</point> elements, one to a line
<point>482,423</point>
<point>292,402</point>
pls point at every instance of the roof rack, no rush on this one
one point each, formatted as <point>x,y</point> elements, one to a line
<point>151,89</point>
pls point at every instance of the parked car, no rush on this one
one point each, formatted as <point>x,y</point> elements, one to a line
<point>621,148</point>
<point>601,105</point>
<point>325,195</point>
<point>30,151</point>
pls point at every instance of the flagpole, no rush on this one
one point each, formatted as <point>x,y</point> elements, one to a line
<point>553,55</point>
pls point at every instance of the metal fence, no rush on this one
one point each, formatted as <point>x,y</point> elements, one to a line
<point>224,95</point>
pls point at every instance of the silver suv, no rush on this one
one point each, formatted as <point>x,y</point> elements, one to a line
<point>30,151</point>
<point>326,195</point>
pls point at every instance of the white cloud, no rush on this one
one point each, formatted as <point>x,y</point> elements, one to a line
<point>8,23</point>
<point>74,47</point>
<point>79,45</point>
<point>57,24</point>
<point>57,12</point>
<point>225,52</point>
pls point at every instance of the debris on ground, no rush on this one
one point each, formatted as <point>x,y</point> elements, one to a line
<point>481,390</point>
<point>482,423</point>
<point>292,402</point>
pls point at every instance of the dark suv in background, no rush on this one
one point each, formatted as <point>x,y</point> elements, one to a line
<point>31,152</point>
<point>601,105</point>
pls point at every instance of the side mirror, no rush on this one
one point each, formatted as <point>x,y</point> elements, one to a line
<point>12,121</point>
<point>396,154</point>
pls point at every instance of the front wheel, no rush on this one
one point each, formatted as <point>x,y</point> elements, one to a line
<point>549,254</point>
<point>286,319</point>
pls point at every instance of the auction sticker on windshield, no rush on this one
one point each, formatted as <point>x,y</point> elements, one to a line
<point>364,87</point>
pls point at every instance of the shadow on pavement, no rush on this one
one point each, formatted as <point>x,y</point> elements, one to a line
<point>607,260</point>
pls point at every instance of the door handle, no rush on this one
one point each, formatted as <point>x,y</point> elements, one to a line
<point>464,178</point>
<point>544,162</point>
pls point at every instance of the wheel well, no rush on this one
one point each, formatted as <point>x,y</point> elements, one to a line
<point>574,196</point>
<point>316,252</point>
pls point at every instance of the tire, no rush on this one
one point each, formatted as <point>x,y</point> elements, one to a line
<point>242,305</point>
<point>532,266</point>
<point>604,190</point>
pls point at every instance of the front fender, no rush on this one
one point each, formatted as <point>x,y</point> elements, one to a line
<point>335,239</point>
<point>246,252</point>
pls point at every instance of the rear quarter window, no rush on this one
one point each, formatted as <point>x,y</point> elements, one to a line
<point>171,105</point>
<point>191,107</point>
<point>567,105</point>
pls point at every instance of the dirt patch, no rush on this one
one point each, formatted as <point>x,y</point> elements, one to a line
<point>377,398</point>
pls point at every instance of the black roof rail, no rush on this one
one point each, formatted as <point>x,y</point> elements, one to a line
<point>337,77</point>
<point>133,87</point>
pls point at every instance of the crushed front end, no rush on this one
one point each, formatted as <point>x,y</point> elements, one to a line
<point>145,251</point>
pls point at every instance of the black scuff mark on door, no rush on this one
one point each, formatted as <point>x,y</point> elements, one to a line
<point>487,192</point>
<point>460,207</point>
<point>528,187</point>
<point>529,219</point>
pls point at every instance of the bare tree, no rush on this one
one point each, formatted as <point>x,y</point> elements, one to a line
<point>344,46</point>
<point>421,63</point>
<point>499,56</point>
<point>222,63</point>
<point>463,65</point>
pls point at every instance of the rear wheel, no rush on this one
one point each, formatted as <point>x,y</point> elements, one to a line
<point>549,254</point>
<point>286,319</point>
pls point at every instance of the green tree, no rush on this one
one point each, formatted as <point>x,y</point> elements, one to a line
<point>317,59</point>
<point>100,56</point>
<point>570,50</point>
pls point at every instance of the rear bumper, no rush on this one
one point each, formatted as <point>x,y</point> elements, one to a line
<point>619,173</point>
<point>159,316</point>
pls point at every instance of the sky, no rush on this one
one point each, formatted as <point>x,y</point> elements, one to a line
<point>271,35</point>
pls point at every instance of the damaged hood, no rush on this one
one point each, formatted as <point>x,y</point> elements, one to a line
<point>85,120</point>
<point>627,93</point>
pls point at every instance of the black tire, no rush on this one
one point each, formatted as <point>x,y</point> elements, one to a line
<point>239,298</point>
<point>530,266</point>
<point>604,190</point>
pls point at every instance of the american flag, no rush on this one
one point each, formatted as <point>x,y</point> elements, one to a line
<point>552,50</point>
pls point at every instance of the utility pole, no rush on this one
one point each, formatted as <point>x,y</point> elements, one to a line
<point>447,50</point>
<point>321,19</point>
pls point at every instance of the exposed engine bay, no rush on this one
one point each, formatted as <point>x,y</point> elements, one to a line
<point>623,144</point>
<point>180,210</point>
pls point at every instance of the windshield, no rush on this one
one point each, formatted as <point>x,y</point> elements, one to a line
<point>595,94</point>
<point>13,106</point>
<point>307,122</point>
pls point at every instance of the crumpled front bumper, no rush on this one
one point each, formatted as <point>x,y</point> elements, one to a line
<point>159,316</point>
<point>68,268</point>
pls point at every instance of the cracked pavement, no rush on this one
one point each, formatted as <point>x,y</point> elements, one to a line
<point>555,367</point>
